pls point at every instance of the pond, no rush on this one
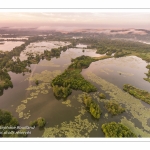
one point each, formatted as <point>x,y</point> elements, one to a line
<point>9,45</point>
<point>69,118</point>
<point>120,71</point>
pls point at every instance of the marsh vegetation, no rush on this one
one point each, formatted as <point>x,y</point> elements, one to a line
<point>40,122</point>
<point>148,74</point>
<point>92,107</point>
<point>137,93</point>
<point>114,108</point>
<point>8,125</point>
<point>72,79</point>
<point>114,129</point>
<point>86,90</point>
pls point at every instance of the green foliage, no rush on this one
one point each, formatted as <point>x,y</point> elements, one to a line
<point>72,79</point>
<point>5,80</point>
<point>93,108</point>
<point>87,100</point>
<point>7,120</point>
<point>54,52</point>
<point>137,93</point>
<point>109,53</point>
<point>147,79</point>
<point>5,117</point>
<point>148,66</point>
<point>17,66</point>
<point>33,59</point>
<point>105,45</point>
<point>41,122</point>
<point>81,62</point>
<point>33,123</point>
<point>114,108</point>
<point>121,54</point>
<point>102,96</point>
<point>13,122</point>
<point>61,92</point>
<point>114,129</point>
<point>147,74</point>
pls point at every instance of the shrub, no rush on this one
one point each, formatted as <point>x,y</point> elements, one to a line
<point>114,129</point>
<point>101,95</point>
<point>114,108</point>
<point>41,122</point>
<point>33,123</point>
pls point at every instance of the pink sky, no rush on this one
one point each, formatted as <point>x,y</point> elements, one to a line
<point>76,20</point>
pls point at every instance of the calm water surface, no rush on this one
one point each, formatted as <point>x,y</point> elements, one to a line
<point>9,45</point>
<point>118,71</point>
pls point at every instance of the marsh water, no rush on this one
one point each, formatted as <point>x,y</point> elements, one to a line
<point>9,45</point>
<point>27,104</point>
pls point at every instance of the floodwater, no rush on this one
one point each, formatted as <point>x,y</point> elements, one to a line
<point>27,104</point>
<point>9,45</point>
<point>39,47</point>
<point>123,70</point>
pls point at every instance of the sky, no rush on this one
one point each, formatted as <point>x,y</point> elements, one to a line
<point>75,20</point>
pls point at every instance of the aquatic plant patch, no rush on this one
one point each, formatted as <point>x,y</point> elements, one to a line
<point>133,105</point>
<point>67,103</point>
<point>43,87</point>
<point>77,128</point>
<point>137,93</point>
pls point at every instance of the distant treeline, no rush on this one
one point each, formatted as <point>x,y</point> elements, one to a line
<point>21,39</point>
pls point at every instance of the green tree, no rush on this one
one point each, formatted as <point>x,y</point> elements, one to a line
<point>33,123</point>
<point>41,122</point>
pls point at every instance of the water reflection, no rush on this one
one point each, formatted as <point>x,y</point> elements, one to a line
<point>9,45</point>
<point>120,71</point>
<point>39,47</point>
